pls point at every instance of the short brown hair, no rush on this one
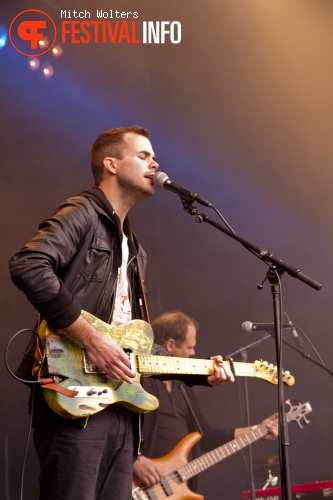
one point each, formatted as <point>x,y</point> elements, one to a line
<point>110,143</point>
<point>172,325</point>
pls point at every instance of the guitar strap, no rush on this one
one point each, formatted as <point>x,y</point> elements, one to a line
<point>187,399</point>
<point>147,318</point>
<point>144,300</point>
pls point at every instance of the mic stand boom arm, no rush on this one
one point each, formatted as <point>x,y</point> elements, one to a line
<point>276,268</point>
<point>308,357</point>
<point>260,253</point>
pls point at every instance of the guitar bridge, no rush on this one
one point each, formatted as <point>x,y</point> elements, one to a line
<point>88,366</point>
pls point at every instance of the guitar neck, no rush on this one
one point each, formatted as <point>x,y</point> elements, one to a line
<point>211,458</point>
<point>186,366</point>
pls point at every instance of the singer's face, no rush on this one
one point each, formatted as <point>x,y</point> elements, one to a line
<point>186,349</point>
<point>137,166</point>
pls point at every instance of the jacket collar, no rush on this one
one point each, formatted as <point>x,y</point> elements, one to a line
<point>97,195</point>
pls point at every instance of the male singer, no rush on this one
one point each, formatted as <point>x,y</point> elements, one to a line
<point>80,459</point>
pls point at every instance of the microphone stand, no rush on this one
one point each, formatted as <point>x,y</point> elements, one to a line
<point>273,276</point>
<point>276,268</point>
<point>249,346</point>
<point>307,356</point>
<point>243,355</point>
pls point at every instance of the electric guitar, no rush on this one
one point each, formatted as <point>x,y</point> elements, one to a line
<point>177,470</point>
<point>79,389</point>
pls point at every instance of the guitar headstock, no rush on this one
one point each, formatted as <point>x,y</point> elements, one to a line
<point>269,373</point>
<point>298,413</point>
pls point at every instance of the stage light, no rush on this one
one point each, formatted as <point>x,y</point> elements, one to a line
<point>3,36</point>
<point>48,71</point>
<point>44,43</point>
<point>34,63</point>
<point>57,50</point>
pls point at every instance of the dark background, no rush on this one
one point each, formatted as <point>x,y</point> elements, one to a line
<point>241,111</point>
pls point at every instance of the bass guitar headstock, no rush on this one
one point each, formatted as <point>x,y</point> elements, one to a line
<point>298,412</point>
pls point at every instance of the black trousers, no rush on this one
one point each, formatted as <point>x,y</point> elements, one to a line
<point>91,463</point>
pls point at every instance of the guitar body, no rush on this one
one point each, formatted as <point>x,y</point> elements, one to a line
<point>65,358</point>
<point>169,465</point>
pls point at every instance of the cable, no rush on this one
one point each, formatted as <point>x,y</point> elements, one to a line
<point>27,442</point>
<point>33,384</point>
<point>39,382</point>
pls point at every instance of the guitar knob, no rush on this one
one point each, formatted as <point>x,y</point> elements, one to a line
<point>91,392</point>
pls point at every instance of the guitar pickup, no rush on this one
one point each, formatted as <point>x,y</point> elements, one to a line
<point>84,391</point>
<point>89,367</point>
<point>132,360</point>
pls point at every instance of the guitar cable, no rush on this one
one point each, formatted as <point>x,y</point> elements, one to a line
<point>32,398</point>
<point>33,384</point>
<point>41,381</point>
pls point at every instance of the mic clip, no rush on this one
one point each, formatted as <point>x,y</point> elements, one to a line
<point>272,274</point>
<point>188,207</point>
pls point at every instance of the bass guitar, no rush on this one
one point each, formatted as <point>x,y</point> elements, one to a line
<point>177,470</point>
<point>79,389</point>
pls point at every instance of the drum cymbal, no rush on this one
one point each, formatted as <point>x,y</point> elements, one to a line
<point>262,465</point>
<point>268,460</point>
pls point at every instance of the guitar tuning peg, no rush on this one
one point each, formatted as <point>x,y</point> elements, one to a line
<point>305,422</point>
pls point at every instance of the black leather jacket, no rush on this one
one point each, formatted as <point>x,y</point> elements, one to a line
<point>43,268</point>
<point>46,271</point>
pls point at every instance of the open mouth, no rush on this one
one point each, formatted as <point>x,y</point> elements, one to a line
<point>150,177</point>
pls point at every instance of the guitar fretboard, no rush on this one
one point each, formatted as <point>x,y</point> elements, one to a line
<point>191,469</point>
<point>213,457</point>
<point>186,366</point>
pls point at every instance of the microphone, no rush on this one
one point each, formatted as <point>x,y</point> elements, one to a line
<point>297,339</point>
<point>161,180</point>
<point>249,327</point>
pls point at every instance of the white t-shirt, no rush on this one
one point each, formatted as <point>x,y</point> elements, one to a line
<point>122,307</point>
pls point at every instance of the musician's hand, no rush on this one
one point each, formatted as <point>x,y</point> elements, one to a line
<point>272,425</point>
<point>146,471</point>
<point>103,351</point>
<point>222,372</point>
